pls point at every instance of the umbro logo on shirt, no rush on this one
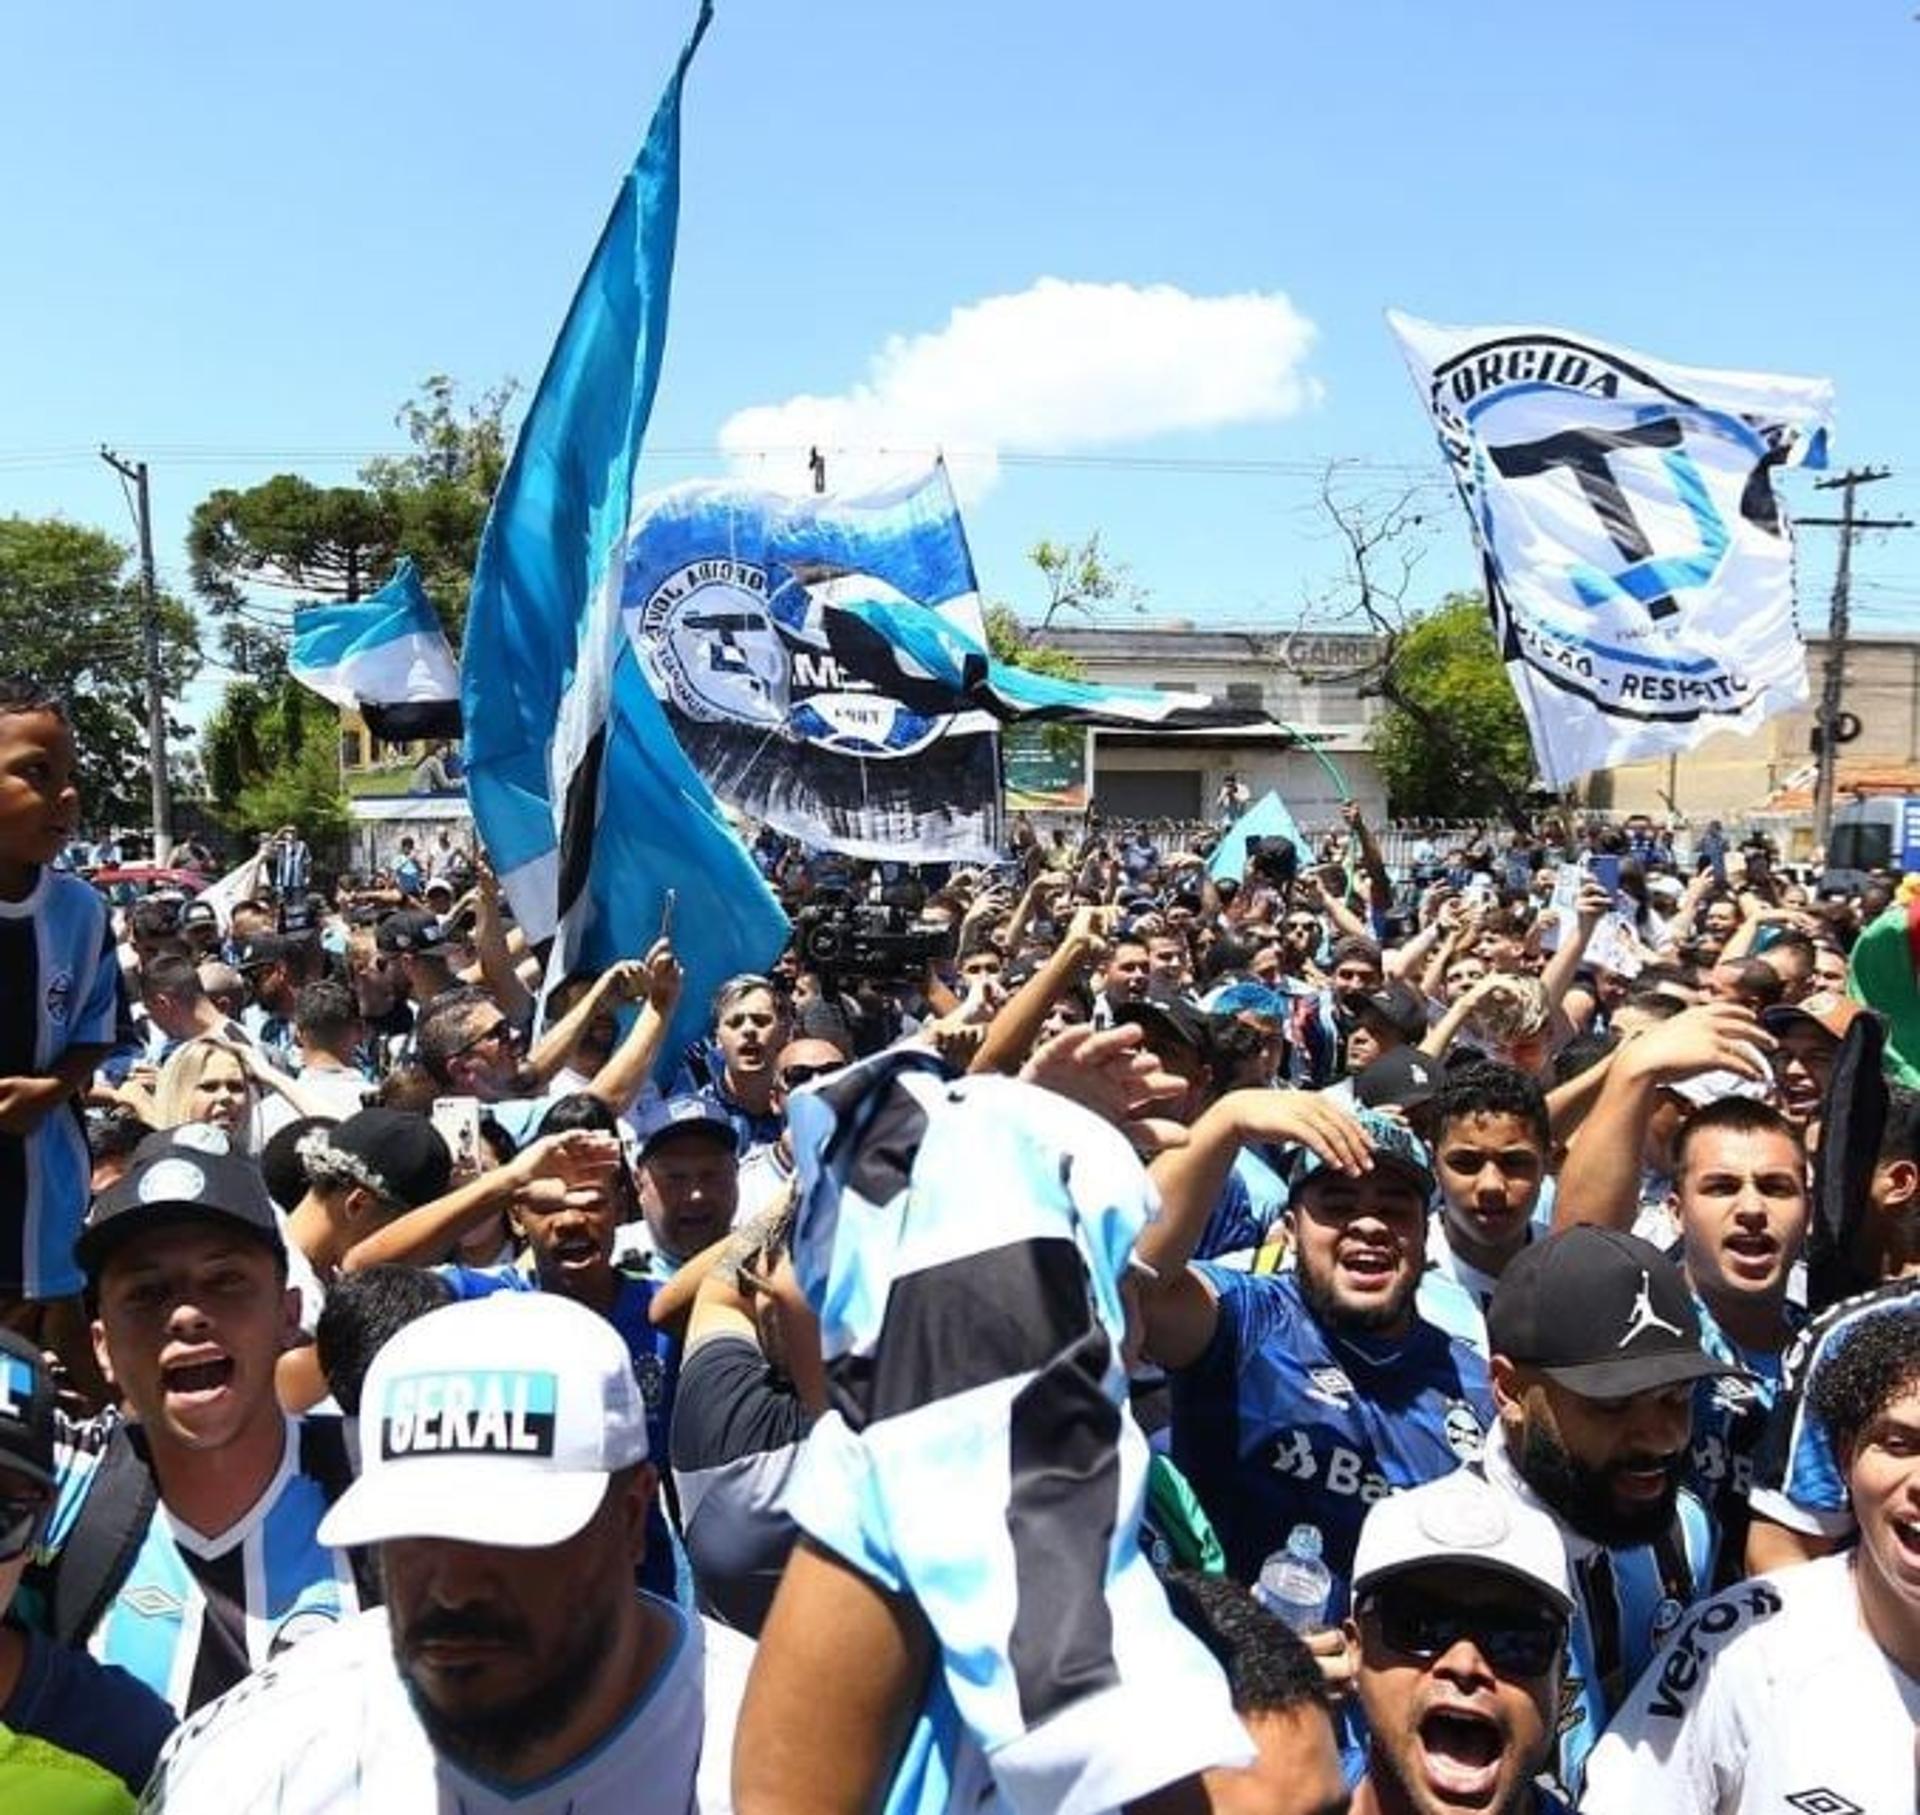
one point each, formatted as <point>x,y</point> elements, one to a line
<point>1822,1801</point>
<point>1330,1386</point>
<point>481,1412</point>
<point>152,1603</point>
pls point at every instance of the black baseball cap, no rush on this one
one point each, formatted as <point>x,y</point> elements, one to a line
<point>1602,1313</point>
<point>259,951</point>
<point>180,1175</point>
<point>1400,1006</point>
<point>280,1163</point>
<point>26,1410</point>
<point>400,1156</point>
<point>1173,1019</point>
<point>1401,1079</point>
<point>409,930</point>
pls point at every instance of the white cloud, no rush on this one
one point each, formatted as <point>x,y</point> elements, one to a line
<point>1060,366</point>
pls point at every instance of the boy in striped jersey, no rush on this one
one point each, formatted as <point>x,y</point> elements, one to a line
<point>184,1542</point>
<point>60,982</point>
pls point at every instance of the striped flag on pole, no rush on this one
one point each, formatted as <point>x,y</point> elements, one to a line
<point>586,804</point>
<point>385,656</point>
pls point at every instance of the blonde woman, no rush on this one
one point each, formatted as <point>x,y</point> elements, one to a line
<point>226,1084</point>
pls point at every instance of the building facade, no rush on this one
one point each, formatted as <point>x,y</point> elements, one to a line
<point>1309,683</point>
<point>1767,776</point>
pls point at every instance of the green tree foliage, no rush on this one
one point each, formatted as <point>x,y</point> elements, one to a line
<point>289,535</point>
<point>272,757</point>
<point>1080,577</point>
<point>1452,743</point>
<point>1009,641</point>
<point>71,616</point>
<point>440,492</point>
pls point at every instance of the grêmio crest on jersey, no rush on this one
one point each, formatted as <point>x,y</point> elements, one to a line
<point>1638,565</point>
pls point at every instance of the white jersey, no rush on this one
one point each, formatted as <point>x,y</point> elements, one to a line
<point>330,1731</point>
<point>1770,1698</point>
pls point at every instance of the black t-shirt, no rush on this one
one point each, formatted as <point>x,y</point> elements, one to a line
<point>737,1432</point>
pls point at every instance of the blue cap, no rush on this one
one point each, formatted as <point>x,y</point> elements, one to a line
<point>1394,1144</point>
<point>686,1115</point>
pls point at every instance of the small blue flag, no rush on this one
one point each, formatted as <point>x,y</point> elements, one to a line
<point>1266,818</point>
<point>586,804</point>
<point>386,656</point>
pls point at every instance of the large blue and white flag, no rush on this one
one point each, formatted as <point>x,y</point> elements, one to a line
<point>824,662</point>
<point>1639,567</point>
<point>728,598</point>
<point>588,807</point>
<point>386,656</point>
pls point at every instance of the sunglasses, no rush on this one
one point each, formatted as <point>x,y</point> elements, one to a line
<point>501,1032</point>
<point>19,1523</point>
<point>796,1075</point>
<point>1515,1643</point>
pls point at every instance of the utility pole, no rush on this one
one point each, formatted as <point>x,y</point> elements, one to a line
<point>162,797</point>
<point>1827,723</point>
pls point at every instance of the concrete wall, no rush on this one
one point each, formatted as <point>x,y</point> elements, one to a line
<point>1729,777</point>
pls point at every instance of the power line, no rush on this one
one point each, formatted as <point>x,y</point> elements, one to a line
<point>1827,725</point>
<point>162,793</point>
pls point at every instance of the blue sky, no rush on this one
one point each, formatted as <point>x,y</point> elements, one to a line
<point>241,234</point>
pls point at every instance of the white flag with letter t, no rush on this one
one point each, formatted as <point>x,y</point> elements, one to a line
<point>1638,564</point>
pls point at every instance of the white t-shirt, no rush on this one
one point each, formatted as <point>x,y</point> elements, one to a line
<point>329,1728</point>
<point>1770,1697</point>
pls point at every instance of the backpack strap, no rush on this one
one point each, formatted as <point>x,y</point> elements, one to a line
<point>79,1586</point>
<point>324,1458</point>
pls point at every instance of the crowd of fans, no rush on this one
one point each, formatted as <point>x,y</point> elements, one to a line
<point>1111,1331</point>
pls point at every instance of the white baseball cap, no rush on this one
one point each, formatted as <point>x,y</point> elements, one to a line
<point>1463,1518</point>
<point>494,1421</point>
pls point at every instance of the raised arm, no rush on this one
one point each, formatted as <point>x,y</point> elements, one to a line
<point>1180,1309</point>
<point>1564,965</point>
<point>1379,886</point>
<point>1600,1182</point>
<point>618,1082</point>
<point>1011,1033</point>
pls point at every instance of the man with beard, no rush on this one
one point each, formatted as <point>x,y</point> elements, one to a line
<point>1596,1351</point>
<point>469,1046</point>
<point>1800,1690</point>
<point>1461,1610</point>
<point>506,1486</point>
<point>1304,1396</point>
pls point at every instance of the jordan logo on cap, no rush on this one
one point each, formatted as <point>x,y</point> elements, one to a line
<point>1644,1317</point>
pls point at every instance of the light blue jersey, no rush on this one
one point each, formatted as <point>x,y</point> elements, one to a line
<point>59,988</point>
<point>194,1614</point>
<point>1628,1600</point>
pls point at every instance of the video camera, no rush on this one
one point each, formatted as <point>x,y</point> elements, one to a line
<point>840,937</point>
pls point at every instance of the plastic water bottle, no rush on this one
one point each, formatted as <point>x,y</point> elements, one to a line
<point>1294,1584</point>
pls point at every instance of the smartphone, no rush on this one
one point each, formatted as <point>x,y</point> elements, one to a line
<point>666,913</point>
<point>457,1121</point>
<point>1605,869</point>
